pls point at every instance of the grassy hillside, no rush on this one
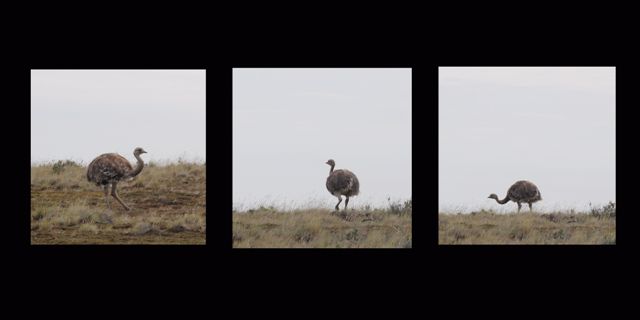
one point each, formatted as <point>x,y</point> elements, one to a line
<point>322,228</point>
<point>167,202</point>
<point>486,227</point>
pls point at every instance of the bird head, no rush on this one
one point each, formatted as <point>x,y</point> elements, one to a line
<point>493,196</point>
<point>138,151</point>
<point>331,162</point>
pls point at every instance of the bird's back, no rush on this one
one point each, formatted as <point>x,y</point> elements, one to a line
<point>107,168</point>
<point>343,182</point>
<point>524,191</point>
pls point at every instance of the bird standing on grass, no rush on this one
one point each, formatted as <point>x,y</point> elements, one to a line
<point>342,182</point>
<point>521,191</point>
<point>110,168</point>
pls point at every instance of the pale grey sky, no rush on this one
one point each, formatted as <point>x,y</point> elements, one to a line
<point>288,122</point>
<point>80,114</point>
<point>554,126</point>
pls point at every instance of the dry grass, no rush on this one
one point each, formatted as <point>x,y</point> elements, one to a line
<point>487,227</point>
<point>168,206</point>
<point>321,228</point>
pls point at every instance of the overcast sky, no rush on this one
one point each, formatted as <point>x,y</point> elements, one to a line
<point>552,126</point>
<point>288,122</point>
<point>80,114</point>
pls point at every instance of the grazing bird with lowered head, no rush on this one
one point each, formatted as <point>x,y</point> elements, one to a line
<point>521,191</point>
<point>342,182</point>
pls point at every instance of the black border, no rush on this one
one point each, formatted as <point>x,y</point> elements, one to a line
<point>424,168</point>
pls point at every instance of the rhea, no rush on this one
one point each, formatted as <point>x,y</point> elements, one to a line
<point>108,169</point>
<point>342,182</point>
<point>521,191</point>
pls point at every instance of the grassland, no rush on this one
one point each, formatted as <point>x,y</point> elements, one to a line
<point>323,228</point>
<point>486,227</point>
<point>168,205</point>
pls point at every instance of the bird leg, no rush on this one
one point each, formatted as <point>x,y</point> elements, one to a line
<point>106,195</point>
<point>519,206</point>
<point>346,203</point>
<point>115,195</point>
<point>530,210</point>
<point>339,200</point>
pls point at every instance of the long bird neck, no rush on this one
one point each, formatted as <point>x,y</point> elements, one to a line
<point>331,170</point>
<point>138,168</point>
<point>503,201</point>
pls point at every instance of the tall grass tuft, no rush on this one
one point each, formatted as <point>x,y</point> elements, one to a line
<point>606,211</point>
<point>60,166</point>
<point>400,207</point>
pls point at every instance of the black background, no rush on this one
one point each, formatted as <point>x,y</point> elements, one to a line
<point>222,39</point>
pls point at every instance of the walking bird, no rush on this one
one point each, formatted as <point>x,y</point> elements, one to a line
<point>342,182</point>
<point>110,168</point>
<point>521,191</point>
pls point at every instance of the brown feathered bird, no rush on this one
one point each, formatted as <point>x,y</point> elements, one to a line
<point>342,183</point>
<point>521,191</point>
<point>110,168</point>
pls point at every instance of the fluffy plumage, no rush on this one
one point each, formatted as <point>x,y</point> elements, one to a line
<point>521,191</point>
<point>110,168</point>
<point>342,182</point>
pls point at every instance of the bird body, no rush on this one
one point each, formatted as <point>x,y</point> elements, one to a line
<point>342,182</point>
<point>107,168</point>
<point>521,191</point>
<point>110,168</point>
